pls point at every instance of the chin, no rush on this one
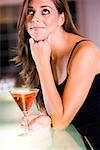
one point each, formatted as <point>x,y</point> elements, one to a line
<point>37,39</point>
<point>38,36</point>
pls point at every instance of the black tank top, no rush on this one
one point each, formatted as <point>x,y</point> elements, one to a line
<point>90,110</point>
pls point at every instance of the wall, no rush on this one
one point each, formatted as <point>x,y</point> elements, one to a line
<point>88,12</point>
<point>10,2</point>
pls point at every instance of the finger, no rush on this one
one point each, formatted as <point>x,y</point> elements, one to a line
<point>41,123</point>
<point>31,41</point>
<point>30,117</point>
<point>42,119</point>
<point>34,119</point>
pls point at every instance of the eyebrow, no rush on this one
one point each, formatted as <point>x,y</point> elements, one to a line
<point>41,6</point>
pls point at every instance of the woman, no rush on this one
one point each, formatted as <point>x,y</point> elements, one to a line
<point>64,65</point>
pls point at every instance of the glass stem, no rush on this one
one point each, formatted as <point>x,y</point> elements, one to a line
<point>27,129</point>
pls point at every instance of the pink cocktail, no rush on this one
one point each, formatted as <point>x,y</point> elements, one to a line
<point>24,98</point>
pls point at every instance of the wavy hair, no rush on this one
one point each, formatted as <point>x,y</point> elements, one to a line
<point>24,59</point>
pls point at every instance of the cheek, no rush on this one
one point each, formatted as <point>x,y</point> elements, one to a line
<point>27,24</point>
<point>52,22</point>
<point>53,19</point>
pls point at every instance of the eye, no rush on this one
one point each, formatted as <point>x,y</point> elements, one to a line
<point>30,12</point>
<point>45,11</point>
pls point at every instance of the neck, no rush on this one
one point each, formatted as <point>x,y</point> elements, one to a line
<point>59,44</point>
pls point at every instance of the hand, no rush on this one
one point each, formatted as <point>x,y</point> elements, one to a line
<point>37,121</point>
<point>40,51</point>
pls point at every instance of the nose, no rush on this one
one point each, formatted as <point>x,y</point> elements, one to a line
<point>35,20</point>
<point>36,17</point>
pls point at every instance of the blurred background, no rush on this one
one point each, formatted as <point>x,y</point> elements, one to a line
<point>86,15</point>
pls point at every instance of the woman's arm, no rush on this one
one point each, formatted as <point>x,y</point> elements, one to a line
<point>83,67</point>
<point>41,55</point>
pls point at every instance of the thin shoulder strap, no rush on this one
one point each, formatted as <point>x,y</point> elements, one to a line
<point>74,48</point>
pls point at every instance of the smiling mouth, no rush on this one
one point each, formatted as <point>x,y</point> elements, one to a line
<point>36,28</point>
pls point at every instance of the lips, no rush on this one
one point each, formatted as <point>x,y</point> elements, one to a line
<point>35,27</point>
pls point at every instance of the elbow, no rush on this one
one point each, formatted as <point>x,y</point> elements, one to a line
<point>59,125</point>
<point>60,122</point>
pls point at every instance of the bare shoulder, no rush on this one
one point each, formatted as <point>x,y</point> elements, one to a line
<point>85,53</point>
<point>87,49</point>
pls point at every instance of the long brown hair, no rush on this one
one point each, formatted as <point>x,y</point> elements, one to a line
<point>24,58</point>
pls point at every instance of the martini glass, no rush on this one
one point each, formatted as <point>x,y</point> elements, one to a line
<point>24,98</point>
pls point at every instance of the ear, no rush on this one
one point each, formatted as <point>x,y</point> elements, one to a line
<point>61,19</point>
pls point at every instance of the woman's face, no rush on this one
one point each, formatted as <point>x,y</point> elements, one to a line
<point>42,19</point>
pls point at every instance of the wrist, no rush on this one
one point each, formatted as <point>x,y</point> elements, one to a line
<point>43,66</point>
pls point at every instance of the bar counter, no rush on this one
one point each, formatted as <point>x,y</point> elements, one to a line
<point>50,139</point>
